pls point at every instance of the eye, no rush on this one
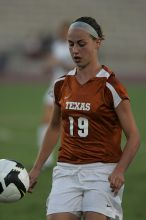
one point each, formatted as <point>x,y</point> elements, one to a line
<point>71,44</point>
<point>82,44</point>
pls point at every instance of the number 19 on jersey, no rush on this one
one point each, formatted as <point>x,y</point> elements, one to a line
<point>82,126</point>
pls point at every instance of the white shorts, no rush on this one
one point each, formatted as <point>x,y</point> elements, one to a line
<point>81,188</point>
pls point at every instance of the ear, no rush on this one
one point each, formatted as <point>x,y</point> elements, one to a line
<point>98,42</point>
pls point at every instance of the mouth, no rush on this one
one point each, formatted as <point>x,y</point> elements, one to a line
<point>77,59</point>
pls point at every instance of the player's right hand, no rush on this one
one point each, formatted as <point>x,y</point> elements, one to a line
<point>33,177</point>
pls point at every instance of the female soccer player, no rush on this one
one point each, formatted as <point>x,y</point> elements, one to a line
<point>91,109</point>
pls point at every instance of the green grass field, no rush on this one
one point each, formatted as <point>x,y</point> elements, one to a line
<point>20,111</point>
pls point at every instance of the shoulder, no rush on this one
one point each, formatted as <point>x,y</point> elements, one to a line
<point>111,78</point>
<point>113,83</point>
<point>105,73</point>
<point>114,89</point>
<point>61,79</point>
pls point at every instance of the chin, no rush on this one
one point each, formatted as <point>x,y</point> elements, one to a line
<point>82,66</point>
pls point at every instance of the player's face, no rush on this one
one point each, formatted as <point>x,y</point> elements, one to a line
<point>83,47</point>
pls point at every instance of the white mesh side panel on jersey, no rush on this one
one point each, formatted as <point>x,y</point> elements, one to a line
<point>116,98</point>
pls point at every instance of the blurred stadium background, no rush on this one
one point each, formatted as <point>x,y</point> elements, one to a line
<point>26,29</point>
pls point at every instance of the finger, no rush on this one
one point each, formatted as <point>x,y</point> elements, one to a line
<point>116,191</point>
<point>112,184</point>
<point>30,190</point>
<point>117,187</point>
<point>32,185</point>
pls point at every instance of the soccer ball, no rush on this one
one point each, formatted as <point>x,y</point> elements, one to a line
<point>14,180</point>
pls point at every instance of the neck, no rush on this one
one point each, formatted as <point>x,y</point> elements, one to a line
<point>89,70</point>
<point>87,73</point>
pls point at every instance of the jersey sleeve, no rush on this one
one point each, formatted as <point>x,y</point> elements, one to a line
<point>115,92</point>
<point>57,90</point>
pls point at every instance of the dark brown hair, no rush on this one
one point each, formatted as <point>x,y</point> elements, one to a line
<point>91,21</point>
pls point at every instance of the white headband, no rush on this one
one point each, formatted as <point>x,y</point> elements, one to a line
<point>85,27</point>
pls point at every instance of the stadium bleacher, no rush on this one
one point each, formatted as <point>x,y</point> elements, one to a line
<point>123,24</point>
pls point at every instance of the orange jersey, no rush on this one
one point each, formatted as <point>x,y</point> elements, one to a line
<point>91,131</point>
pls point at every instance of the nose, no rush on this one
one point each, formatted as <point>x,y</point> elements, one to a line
<point>75,49</point>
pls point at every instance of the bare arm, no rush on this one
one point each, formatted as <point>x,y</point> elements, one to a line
<point>132,144</point>
<point>49,142</point>
<point>47,114</point>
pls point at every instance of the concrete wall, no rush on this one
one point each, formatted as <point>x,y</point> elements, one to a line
<point>123,23</point>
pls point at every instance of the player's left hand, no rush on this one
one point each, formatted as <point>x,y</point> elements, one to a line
<point>116,180</point>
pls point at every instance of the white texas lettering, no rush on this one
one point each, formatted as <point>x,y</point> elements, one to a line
<point>78,106</point>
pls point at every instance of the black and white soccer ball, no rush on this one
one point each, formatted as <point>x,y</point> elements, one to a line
<point>14,180</point>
